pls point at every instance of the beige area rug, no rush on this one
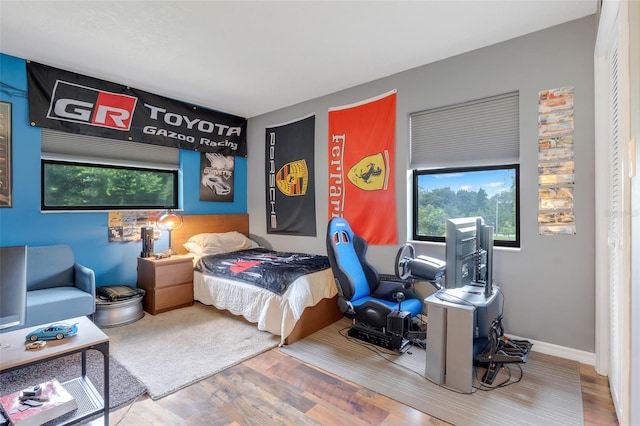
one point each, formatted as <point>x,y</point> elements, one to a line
<point>172,350</point>
<point>548,394</point>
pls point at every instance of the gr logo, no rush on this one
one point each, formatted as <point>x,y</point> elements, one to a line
<point>86,105</point>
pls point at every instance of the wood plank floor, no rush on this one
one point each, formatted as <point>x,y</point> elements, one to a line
<point>274,388</point>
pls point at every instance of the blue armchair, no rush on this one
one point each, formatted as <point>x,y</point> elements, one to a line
<point>57,287</point>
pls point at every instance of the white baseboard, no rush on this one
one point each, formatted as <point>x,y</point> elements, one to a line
<point>583,357</point>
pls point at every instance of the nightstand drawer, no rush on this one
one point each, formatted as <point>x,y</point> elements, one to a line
<point>165,299</point>
<point>167,275</point>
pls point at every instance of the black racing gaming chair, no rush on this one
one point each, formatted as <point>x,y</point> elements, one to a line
<point>361,293</point>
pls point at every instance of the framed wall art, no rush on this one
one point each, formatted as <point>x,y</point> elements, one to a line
<point>6,196</point>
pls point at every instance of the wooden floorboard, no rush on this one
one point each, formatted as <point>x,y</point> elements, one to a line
<point>596,398</point>
<point>274,388</point>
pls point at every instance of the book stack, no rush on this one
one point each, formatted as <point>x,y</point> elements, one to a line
<point>38,404</point>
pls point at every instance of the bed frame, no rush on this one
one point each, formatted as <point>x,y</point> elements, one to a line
<point>313,318</point>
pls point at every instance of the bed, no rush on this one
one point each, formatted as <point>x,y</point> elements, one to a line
<point>308,304</point>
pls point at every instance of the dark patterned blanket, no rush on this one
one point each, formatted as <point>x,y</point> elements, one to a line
<point>271,270</point>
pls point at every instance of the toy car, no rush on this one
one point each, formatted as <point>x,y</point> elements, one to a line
<point>53,331</point>
<point>38,344</point>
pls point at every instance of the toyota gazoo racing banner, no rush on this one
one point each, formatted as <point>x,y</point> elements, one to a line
<point>362,166</point>
<point>290,197</point>
<point>73,103</point>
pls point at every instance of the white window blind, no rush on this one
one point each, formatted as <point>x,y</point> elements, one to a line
<point>91,149</point>
<point>481,132</point>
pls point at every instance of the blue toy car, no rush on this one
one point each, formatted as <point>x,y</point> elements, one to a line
<point>53,332</point>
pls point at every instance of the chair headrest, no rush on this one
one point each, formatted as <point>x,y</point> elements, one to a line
<point>338,225</point>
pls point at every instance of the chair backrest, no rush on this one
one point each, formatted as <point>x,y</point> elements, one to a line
<point>50,266</point>
<point>345,262</point>
<point>13,286</point>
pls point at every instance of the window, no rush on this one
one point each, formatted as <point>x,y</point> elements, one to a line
<point>83,186</point>
<point>465,163</point>
<point>490,192</point>
<point>89,173</point>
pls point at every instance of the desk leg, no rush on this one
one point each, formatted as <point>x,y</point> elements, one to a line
<point>104,349</point>
<point>434,368</point>
<point>106,386</point>
<point>459,360</point>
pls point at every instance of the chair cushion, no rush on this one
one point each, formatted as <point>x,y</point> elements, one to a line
<point>57,304</point>
<point>414,306</point>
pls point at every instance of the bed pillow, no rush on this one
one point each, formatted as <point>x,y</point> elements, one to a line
<point>193,248</point>
<point>212,243</point>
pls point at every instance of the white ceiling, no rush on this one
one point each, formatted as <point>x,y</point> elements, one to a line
<point>252,57</point>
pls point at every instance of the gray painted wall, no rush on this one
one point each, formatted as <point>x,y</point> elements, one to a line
<point>549,283</point>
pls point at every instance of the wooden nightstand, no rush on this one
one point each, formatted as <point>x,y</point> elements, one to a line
<point>168,283</point>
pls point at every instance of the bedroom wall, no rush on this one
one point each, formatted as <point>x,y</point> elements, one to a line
<point>85,232</point>
<point>548,283</point>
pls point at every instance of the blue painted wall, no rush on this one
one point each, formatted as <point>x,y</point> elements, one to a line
<point>86,233</point>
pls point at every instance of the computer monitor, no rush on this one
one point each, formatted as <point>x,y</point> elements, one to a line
<point>469,253</point>
<point>13,286</point>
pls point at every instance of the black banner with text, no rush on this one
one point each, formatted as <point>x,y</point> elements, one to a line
<point>291,199</point>
<point>73,103</point>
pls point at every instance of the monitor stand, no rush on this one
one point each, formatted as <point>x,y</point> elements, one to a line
<point>453,332</point>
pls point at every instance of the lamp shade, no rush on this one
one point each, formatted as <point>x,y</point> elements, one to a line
<point>170,221</point>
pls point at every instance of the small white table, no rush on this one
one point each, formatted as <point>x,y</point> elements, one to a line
<point>13,356</point>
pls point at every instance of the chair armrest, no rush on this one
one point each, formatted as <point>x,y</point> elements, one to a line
<point>85,279</point>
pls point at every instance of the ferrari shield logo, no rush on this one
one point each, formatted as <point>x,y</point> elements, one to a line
<point>292,178</point>
<point>371,172</point>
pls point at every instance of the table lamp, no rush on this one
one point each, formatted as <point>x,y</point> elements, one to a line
<point>168,222</point>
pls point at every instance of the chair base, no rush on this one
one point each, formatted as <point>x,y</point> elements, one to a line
<point>392,342</point>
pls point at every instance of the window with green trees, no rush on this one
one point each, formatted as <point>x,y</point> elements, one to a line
<point>84,186</point>
<point>490,192</point>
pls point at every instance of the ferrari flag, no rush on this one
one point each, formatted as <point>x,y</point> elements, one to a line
<point>361,167</point>
<point>291,200</point>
